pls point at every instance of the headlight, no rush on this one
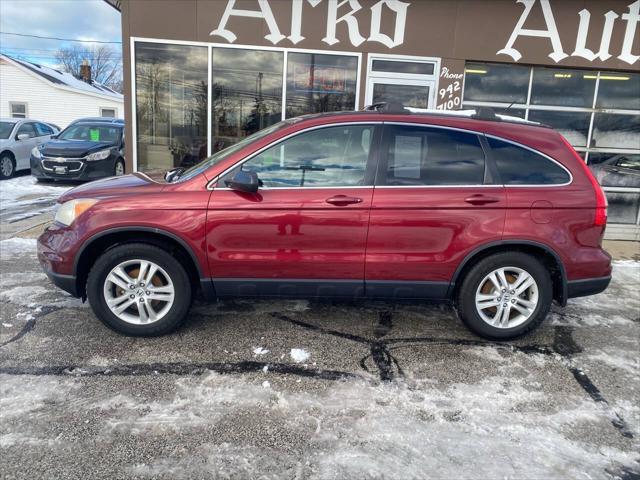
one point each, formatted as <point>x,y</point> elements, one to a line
<point>36,152</point>
<point>101,155</point>
<point>69,211</point>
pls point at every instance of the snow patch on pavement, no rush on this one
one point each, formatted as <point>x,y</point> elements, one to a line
<point>299,355</point>
<point>16,247</point>
<point>13,191</point>
<point>260,351</point>
<point>362,430</point>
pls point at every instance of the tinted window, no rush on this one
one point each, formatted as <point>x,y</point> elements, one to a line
<point>327,157</point>
<point>519,166</point>
<point>28,129</point>
<point>424,156</point>
<point>43,129</point>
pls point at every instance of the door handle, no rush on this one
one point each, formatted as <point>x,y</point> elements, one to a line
<point>480,199</point>
<point>342,200</point>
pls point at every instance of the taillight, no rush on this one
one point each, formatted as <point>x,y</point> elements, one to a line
<point>601,199</point>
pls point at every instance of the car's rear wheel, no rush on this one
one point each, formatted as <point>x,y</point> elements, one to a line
<point>118,170</point>
<point>505,295</point>
<point>7,166</point>
<point>139,289</point>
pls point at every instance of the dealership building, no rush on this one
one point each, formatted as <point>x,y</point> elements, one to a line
<point>202,74</point>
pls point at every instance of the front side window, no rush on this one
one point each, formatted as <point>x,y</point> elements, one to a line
<point>27,128</point>
<point>430,156</point>
<point>326,157</point>
<point>520,166</point>
<point>43,129</point>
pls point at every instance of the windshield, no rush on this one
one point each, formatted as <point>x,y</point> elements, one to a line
<point>222,154</point>
<point>5,129</point>
<point>92,133</point>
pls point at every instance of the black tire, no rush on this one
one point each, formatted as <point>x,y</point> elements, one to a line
<point>7,162</point>
<point>111,258</point>
<point>466,304</point>
<point>119,163</point>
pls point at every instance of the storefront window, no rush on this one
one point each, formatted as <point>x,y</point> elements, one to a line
<point>171,105</point>
<point>574,126</point>
<point>616,131</point>
<point>566,88</point>
<point>623,207</point>
<point>416,96</point>
<point>619,90</point>
<point>246,93</point>
<point>320,83</point>
<point>491,82</point>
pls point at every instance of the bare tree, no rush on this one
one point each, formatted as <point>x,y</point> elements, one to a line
<point>105,61</point>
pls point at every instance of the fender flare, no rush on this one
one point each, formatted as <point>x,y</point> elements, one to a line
<point>514,242</point>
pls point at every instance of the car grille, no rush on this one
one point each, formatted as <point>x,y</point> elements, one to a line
<point>72,165</point>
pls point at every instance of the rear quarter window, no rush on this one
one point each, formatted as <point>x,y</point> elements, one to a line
<point>520,166</point>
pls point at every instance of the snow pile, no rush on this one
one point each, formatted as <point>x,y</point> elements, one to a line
<point>299,355</point>
<point>12,192</point>
<point>16,247</point>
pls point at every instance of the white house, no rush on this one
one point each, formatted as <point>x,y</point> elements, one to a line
<point>43,93</point>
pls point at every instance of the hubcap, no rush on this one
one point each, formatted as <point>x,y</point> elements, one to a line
<point>6,166</point>
<point>507,297</point>
<point>119,169</point>
<point>139,292</point>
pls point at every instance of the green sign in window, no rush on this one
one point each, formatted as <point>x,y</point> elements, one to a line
<point>94,134</point>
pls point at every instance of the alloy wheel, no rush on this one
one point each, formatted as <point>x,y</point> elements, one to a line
<point>139,292</point>
<point>6,166</point>
<point>507,297</point>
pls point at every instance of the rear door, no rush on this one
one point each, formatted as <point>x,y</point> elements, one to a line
<point>434,202</point>
<point>304,231</point>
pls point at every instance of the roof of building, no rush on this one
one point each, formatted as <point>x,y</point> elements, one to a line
<point>64,79</point>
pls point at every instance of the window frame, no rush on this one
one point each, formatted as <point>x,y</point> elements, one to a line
<point>370,169</point>
<point>26,109</point>
<point>24,124</point>
<point>115,112</point>
<point>210,46</point>
<point>489,178</point>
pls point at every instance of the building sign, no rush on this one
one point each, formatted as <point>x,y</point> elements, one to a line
<point>343,11</point>
<point>449,95</point>
<point>631,18</point>
<point>317,78</point>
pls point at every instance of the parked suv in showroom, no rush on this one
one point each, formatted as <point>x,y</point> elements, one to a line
<point>87,149</point>
<point>498,218</point>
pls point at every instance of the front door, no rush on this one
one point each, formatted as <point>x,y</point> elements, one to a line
<point>23,147</point>
<point>304,232</point>
<point>433,204</point>
<point>401,80</point>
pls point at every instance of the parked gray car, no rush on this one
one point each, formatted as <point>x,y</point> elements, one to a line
<point>18,136</point>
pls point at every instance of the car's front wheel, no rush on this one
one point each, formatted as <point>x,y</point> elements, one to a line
<point>505,295</point>
<point>7,166</point>
<point>139,289</point>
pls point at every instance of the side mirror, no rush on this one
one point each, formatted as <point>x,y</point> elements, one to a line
<point>23,136</point>
<point>244,182</point>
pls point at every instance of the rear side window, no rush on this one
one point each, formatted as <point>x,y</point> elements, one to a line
<point>520,166</point>
<point>431,156</point>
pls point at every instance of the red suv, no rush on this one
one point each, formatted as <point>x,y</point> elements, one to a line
<point>499,218</point>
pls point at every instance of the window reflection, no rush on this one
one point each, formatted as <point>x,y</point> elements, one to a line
<point>619,90</point>
<point>492,82</point>
<point>246,93</point>
<point>320,83</point>
<point>566,88</point>
<point>623,207</point>
<point>171,105</point>
<point>616,131</point>
<point>415,96</point>
<point>574,126</point>
<point>616,169</point>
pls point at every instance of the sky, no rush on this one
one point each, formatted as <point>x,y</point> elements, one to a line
<point>74,19</point>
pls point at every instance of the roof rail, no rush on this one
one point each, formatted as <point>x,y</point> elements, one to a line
<point>479,113</point>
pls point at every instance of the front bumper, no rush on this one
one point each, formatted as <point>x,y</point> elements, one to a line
<point>588,286</point>
<point>56,255</point>
<point>72,169</point>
